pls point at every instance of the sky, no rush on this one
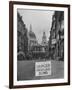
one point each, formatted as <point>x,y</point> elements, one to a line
<point>40,20</point>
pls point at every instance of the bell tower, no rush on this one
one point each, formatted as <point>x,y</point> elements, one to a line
<point>44,39</point>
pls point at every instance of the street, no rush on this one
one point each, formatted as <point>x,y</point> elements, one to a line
<point>26,70</point>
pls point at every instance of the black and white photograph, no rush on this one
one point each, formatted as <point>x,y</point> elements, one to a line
<point>40,44</point>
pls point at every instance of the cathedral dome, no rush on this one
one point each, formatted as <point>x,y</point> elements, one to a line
<point>31,34</point>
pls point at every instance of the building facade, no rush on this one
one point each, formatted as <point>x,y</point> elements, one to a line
<point>22,39</point>
<point>56,39</point>
<point>39,51</point>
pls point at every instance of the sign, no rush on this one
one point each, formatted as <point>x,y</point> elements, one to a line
<point>43,68</point>
<point>53,41</point>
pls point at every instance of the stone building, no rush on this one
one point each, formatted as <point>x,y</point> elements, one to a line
<point>31,38</point>
<point>44,40</point>
<point>56,39</point>
<point>39,50</point>
<point>61,36</point>
<point>22,39</point>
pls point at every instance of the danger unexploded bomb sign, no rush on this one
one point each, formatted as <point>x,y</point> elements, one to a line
<point>43,68</point>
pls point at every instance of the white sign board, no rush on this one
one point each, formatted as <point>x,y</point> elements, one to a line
<point>43,68</point>
<point>53,41</point>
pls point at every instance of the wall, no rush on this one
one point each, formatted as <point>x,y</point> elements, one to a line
<point>4,45</point>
